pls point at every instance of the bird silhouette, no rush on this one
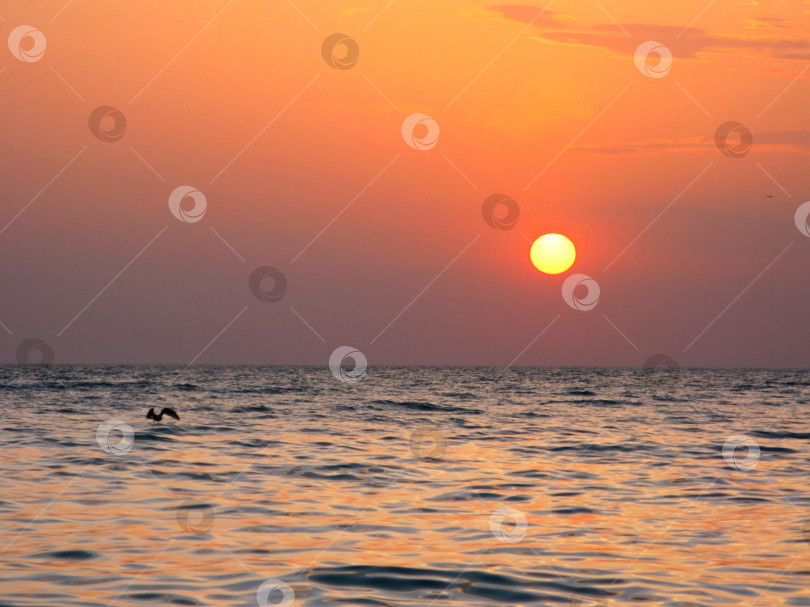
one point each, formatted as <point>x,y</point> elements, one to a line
<point>159,416</point>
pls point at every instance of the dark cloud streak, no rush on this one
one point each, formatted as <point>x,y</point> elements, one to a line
<point>796,140</point>
<point>688,44</point>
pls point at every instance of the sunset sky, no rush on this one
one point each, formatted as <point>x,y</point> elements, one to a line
<point>304,168</point>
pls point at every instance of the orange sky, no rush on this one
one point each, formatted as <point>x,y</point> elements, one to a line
<point>236,99</point>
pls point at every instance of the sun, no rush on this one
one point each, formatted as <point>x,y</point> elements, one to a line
<point>553,253</point>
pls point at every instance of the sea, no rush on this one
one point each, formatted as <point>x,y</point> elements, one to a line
<point>412,486</point>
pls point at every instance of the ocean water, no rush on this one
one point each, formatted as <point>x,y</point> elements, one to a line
<point>414,486</point>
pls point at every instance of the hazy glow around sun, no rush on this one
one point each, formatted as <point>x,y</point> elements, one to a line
<point>553,253</point>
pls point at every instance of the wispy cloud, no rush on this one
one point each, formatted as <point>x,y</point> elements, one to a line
<point>772,23</point>
<point>796,140</point>
<point>688,43</point>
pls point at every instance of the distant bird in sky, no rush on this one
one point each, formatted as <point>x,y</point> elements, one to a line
<point>769,196</point>
<point>159,416</point>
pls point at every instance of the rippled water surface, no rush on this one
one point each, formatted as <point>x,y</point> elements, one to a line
<point>412,487</point>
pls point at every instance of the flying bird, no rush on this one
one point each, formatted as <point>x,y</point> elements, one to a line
<point>159,416</point>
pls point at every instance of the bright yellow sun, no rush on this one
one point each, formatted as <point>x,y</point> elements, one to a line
<point>553,253</point>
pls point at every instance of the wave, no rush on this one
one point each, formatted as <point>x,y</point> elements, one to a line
<point>423,406</point>
<point>441,583</point>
